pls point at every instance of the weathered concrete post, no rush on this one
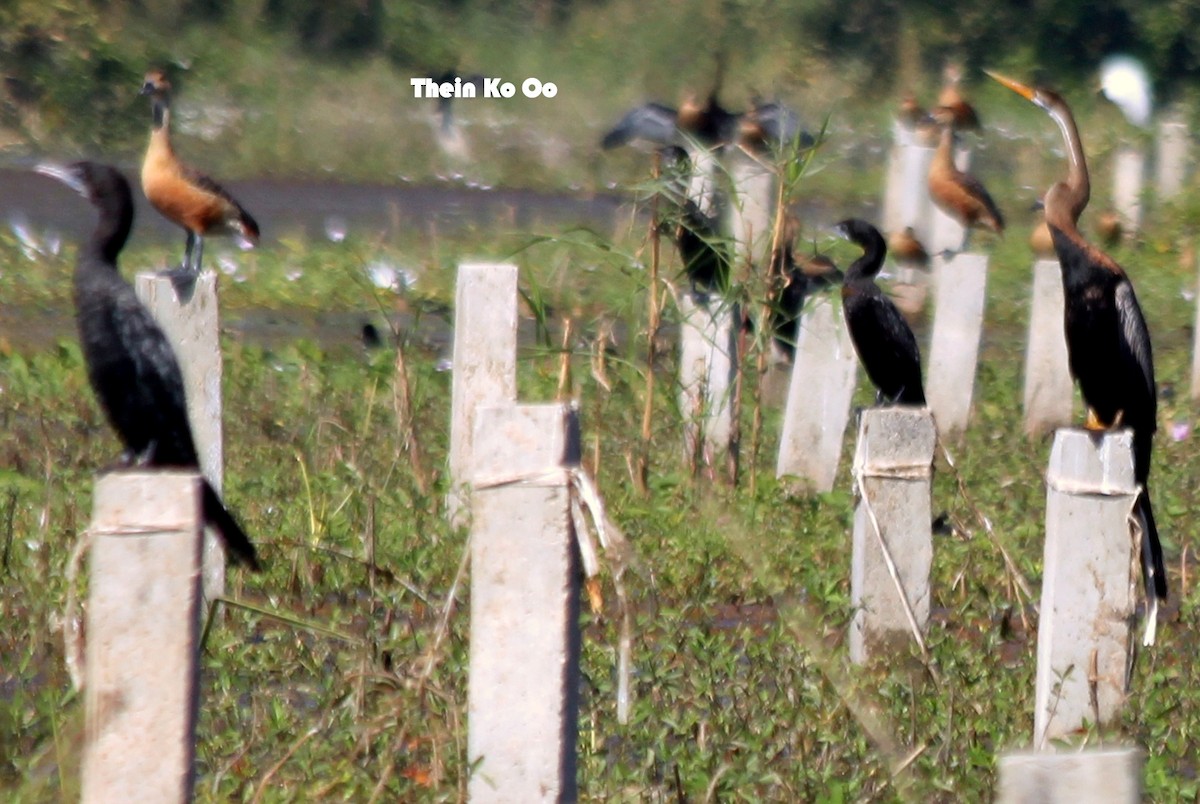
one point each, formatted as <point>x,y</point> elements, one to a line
<point>524,666</point>
<point>192,324</point>
<point>485,361</point>
<point>1196,344</point>
<point>1129,174</point>
<point>1049,392</point>
<point>916,207</point>
<point>753,208</point>
<point>960,286</point>
<point>1084,633</point>
<point>824,374</point>
<point>143,619</point>
<point>1108,775</point>
<point>708,365</point>
<point>893,462</point>
<point>1173,155</point>
<point>704,187</point>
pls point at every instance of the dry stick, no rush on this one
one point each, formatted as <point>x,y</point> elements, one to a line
<point>760,366</point>
<point>564,362</point>
<point>1015,578</point>
<point>642,475</point>
<point>262,786</point>
<point>402,403</point>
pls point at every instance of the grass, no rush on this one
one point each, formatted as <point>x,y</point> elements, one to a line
<point>741,686</point>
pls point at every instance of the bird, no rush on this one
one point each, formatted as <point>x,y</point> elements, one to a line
<point>800,280</point>
<point>916,121</point>
<point>1108,343</point>
<point>951,98</point>
<point>709,125</point>
<point>697,234</point>
<point>772,127</point>
<point>960,195</point>
<point>885,343</point>
<point>130,364</point>
<point>1109,227</point>
<point>182,195</point>
<point>907,250</point>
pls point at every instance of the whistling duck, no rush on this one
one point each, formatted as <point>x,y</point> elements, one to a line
<point>959,194</point>
<point>184,196</point>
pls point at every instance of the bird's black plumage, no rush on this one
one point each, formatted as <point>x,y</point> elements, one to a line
<point>884,342</point>
<point>697,234</point>
<point>1108,342</point>
<point>130,363</point>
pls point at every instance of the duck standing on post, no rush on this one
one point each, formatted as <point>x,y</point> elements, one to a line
<point>182,195</point>
<point>960,195</point>
<point>884,341</point>
<point>130,364</point>
<point>1108,343</point>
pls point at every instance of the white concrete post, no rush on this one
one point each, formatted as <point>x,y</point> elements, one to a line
<point>960,286</point>
<point>824,374</point>
<point>753,208</point>
<point>708,365</point>
<point>1173,155</point>
<point>143,619</point>
<point>1098,775</point>
<point>1049,391</point>
<point>485,361</point>
<point>894,459</point>
<point>1196,344</point>
<point>1088,596</point>
<point>916,207</point>
<point>192,324</point>
<point>704,187</point>
<point>524,665</point>
<point>893,182</point>
<point>1129,172</point>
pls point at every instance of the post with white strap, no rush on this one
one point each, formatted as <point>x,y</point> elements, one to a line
<point>525,637</point>
<point>143,627</point>
<point>1088,594</point>
<point>892,544</point>
<point>1109,774</point>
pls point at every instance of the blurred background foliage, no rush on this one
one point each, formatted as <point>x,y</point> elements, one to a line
<point>70,68</point>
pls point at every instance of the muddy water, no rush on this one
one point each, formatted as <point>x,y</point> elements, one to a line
<point>288,207</point>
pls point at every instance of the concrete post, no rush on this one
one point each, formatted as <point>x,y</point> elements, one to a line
<point>192,324</point>
<point>1196,344</point>
<point>1129,172</point>
<point>753,208</point>
<point>1088,596</point>
<point>485,361</point>
<point>704,187</point>
<point>708,365</point>
<point>1099,775</point>
<point>960,285</point>
<point>894,460</point>
<point>1173,156</point>
<point>143,619</point>
<point>916,206</point>
<point>1049,391</point>
<point>824,374</point>
<point>524,666</point>
<point>893,182</point>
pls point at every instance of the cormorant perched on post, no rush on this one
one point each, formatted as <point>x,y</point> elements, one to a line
<point>1108,343</point>
<point>184,196</point>
<point>884,342</point>
<point>130,363</point>
<point>708,124</point>
<point>697,234</point>
<point>958,194</point>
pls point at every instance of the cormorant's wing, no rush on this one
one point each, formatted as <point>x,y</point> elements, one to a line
<point>780,125</point>
<point>653,122</point>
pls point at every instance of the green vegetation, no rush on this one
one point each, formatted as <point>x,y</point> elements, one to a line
<point>741,687</point>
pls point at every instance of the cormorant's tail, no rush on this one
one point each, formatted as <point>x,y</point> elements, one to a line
<point>1154,570</point>
<point>237,543</point>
